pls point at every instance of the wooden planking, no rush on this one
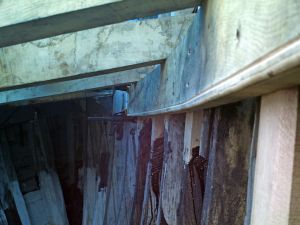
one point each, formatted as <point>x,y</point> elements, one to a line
<point>252,161</point>
<point>31,20</point>
<point>19,202</point>
<point>276,182</point>
<point>193,123</point>
<point>217,64</point>
<point>96,51</point>
<point>227,172</point>
<point>48,91</point>
<point>205,132</point>
<point>3,219</point>
<point>181,199</point>
<point>295,194</point>
<point>144,130</point>
<point>173,169</point>
<point>157,134</point>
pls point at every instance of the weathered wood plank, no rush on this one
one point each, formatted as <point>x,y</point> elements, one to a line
<point>295,195</point>
<point>181,198</point>
<point>227,172</point>
<point>153,170</point>
<point>3,220</point>
<point>205,133</point>
<point>96,51</point>
<point>217,64</point>
<point>23,21</point>
<point>173,170</point>
<point>141,171</point>
<point>48,91</point>
<point>19,202</point>
<point>252,162</point>
<point>276,182</point>
<point>193,123</point>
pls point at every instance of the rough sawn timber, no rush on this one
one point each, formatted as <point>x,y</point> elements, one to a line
<point>233,50</point>
<point>227,172</point>
<point>23,21</point>
<point>46,92</point>
<point>276,180</point>
<point>91,52</point>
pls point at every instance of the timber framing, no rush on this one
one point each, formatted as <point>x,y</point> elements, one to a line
<point>24,21</point>
<point>216,64</point>
<point>102,50</point>
<point>73,86</point>
<point>205,62</point>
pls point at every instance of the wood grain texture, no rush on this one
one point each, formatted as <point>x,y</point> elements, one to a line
<point>227,172</point>
<point>142,173</point>
<point>47,92</point>
<point>193,125</point>
<point>205,132</point>
<point>234,50</point>
<point>181,199</point>
<point>294,217</point>
<point>173,179</point>
<point>22,21</point>
<point>19,202</point>
<point>151,192</point>
<point>91,52</point>
<point>276,186</point>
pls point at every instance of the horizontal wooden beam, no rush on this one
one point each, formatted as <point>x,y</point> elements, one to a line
<point>72,86</point>
<point>24,21</point>
<point>217,64</point>
<point>96,51</point>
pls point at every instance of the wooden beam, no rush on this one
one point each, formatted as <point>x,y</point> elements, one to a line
<point>96,51</point>
<point>217,64</point>
<point>205,132</point>
<point>276,182</point>
<point>51,90</point>
<point>24,21</point>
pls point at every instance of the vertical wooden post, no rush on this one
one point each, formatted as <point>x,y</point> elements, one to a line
<point>19,202</point>
<point>191,133</point>
<point>173,179</point>
<point>276,184</point>
<point>251,168</point>
<point>205,132</point>
<point>227,172</point>
<point>157,136</point>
